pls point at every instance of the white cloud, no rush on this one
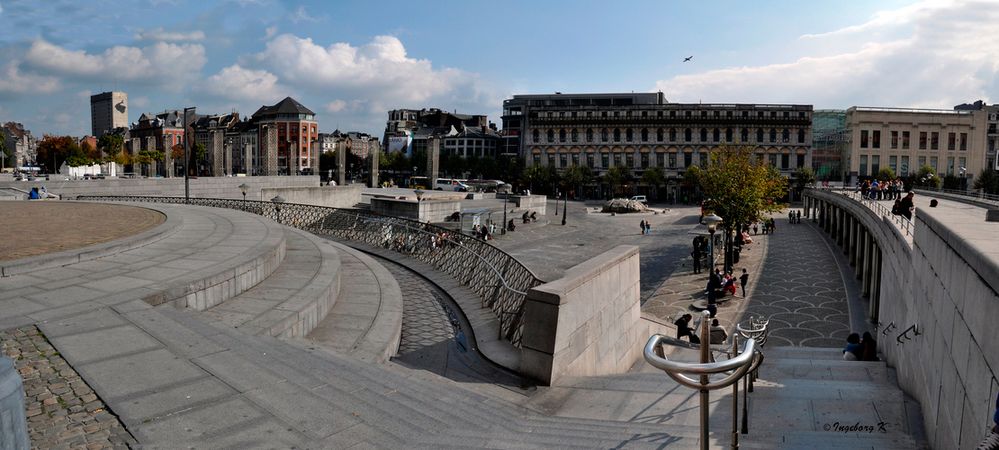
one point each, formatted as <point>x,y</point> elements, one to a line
<point>336,106</point>
<point>301,15</point>
<point>161,63</point>
<point>241,84</point>
<point>947,55</point>
<point>14,81</point>
<point>159,34</point>
<point>270,32</point>
<point>380,68</point>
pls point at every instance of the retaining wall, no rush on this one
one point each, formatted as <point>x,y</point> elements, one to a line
<point>537,203</point>
<point>588,322</point>
<point>426,211</point>
<point>331,196</point>
<point>204,187</point>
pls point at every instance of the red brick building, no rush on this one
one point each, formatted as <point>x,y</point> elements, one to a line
<point>158,132</point>
<point>291,129</point>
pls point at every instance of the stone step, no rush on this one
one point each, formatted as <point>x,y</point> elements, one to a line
<point>779,369</point>
<point>293,300</point>
<point>812,353</point>
<point>366,321</point>
<point>830,440</point>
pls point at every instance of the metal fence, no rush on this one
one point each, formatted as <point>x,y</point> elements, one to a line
<point>904,224</point>
<point>500,280</point>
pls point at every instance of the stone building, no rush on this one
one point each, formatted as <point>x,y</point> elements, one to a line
<point>158,132</point>
<point>992,129</point>
<point>289,135</point>
<point>357,143</point>
<point>108,111</point>
<point>643,130</point>
<point>408,130</point>
<point>216,132</point>
<point>20,144</point>
<point>952,142</point>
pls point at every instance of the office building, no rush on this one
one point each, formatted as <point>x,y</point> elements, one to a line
<point>108,111</point>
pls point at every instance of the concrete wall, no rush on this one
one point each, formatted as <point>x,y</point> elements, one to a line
<point>588,322</point>
<point>537,203</point>
<point>204,187</point>
<point>945,283</point>
<point>425,211</point>
<point>332,196</point>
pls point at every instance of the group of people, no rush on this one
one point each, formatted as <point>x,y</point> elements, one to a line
<point>484,232</point>
<point>858,349</point>
<point>529,217</point>
<point>767,225</point>
<point>794,216</point>
<point>882,190</point>
<point>35,194</point>
<point>645,227</point>
<point>717,334</point>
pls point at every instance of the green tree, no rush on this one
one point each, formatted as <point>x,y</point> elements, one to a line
<point>52,151</point>
<point>740,189</point>
<point>198,152</point>
<point>4,162</point>
<point>654,177</point>
<point>111,145</point>
<point>987,181</point>
<point>617,176</point>
<point>803,177</point>
<point>575,177</point>
<point>927,177</point>
<point>536,176</point>
<point>885,174</point>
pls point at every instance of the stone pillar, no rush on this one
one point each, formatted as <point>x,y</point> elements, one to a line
<point>433,160</point>
<point>150,145</point>
<point>841,227</point>
<point>168,156</point>
<point>247,159</point>
<point>865,280</point>
<point>227,149</point>
<point>217,150</point>
<point>374,153</point>
<point>341,163</point>
<point>268,151</point>
<point>875,297</point>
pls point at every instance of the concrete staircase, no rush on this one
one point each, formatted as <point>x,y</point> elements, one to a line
<point>804,398</point>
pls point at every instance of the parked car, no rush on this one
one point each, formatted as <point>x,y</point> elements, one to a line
<point>640,198</point>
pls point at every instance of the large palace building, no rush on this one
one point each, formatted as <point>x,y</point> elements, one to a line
<point>643,130</point>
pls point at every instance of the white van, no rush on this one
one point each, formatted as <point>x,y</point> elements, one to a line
<point>450,184</point>
<point>640,198</point>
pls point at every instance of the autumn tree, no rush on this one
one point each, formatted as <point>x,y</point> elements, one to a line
<point>52,151</point>
<point>740,189</point>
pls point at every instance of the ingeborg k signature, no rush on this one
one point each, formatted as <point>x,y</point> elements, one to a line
<point>854,427</point>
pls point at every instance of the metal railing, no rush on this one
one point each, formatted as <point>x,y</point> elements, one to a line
<point>904,224</point>
<point>733,369</point>
<point>500,280</point>
<point>977,194</point>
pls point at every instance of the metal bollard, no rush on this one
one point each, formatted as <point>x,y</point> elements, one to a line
<point>13,423</point>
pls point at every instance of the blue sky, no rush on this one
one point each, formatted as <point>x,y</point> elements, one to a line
<point>352,61</point>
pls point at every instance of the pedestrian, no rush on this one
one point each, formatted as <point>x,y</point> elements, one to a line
<point>852,350</point>
<point>648,227</point>
<point>755,229</point>
<point>696,254</point>
<point>868,348</point>
<point>905,206</point>
<point>33,195</point>
<point>790,216</point>
<point>641,226</point>
<point>683,329</point>
<point>798,216</point>
<point>718,333</point>
<point>743,281</point>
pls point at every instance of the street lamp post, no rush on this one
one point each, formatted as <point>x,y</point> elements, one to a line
<point>556,202</point>
<point>506,199</point>
<point>277,200</point>
<point>712,220</point>
<point>243,187</point>
<point>565,206</point>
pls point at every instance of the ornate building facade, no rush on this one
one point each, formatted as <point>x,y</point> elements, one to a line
<point>640,131</point>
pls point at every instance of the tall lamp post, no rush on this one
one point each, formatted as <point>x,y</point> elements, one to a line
<point>278,200</point>
<point>506,199</point>
<point>243,187</point>
<point>565,205</point>
<point>712,220</point>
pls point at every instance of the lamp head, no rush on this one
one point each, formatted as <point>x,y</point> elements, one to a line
<point>278,200</point>
<point>712,220</point>
<point>243,187</point>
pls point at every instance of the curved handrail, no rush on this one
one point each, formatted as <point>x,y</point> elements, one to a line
<point>663,363</point>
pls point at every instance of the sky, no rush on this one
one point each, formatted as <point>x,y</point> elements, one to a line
<point>352,61</point>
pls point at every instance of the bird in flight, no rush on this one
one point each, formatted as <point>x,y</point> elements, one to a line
<point>688,58</point>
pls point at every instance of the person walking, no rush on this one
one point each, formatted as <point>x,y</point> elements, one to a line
<point>743,281</point>
<point>641,226</point>
<point>797,217</point>
<point>696,254</point>
<point>905,206</point>
<point>648,227</point>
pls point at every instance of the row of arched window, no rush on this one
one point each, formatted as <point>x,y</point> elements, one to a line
<point>772,136</point>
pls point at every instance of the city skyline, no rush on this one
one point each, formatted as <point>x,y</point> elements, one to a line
<point>351,63</point>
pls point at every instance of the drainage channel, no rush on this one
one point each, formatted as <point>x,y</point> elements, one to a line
<point>436,335</point>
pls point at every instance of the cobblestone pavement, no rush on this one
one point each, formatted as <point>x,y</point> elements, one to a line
<point>63,412</point>
<point>434,337</point>
<point>51,226</point>
<point>793,280</point>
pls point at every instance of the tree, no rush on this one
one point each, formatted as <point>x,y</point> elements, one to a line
<point>886,174</point>
<point>111,145</point>
<point>616,176</point>
<point>199,152</point>
<point>3,150</point>
<point>536,176</point>
<point>576,176</point>
<point>52,151</point>
<point>740,189</point>
<point>927,177</point>
<point>654,177</point>
<point>803,177</point>
<point>987,181</point>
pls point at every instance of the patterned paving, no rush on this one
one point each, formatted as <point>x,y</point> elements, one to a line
<point>801,290</point>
